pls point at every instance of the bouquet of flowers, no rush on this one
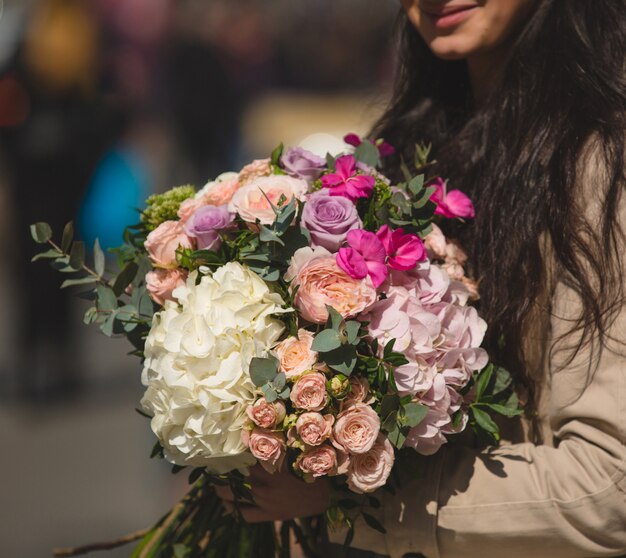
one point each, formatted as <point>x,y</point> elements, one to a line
<point>303,314</point>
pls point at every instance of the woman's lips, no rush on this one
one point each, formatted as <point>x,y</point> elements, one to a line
<point>448,16</point>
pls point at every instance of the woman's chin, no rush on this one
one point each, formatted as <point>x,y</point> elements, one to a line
<point>451,48</point>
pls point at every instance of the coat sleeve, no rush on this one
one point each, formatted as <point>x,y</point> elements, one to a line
<point>562,500</point>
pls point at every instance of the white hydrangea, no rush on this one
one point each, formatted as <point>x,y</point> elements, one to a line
<point>196,369</point>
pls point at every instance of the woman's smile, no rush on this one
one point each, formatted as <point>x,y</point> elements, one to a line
<point>445,16</point>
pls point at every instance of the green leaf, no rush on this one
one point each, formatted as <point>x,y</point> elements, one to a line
<point>109,323</point>
<point>82,281</point>
<point>373,502</point>
<point>331,161</point>
<point>125,278</point>
<point>180,550</point>
<point>90,315</point>
<point>342,360</point>
<point>277,153</point>
<point>414,413</point>
<point>388,348</point>
<point>279,381</point>
<point>106,298</point>
<point>41,232</point>
<point>68,236</point>
<point>416,184</point>
<point>367,153</point>
<point>98,258</point>
<point>47,255</point>
<point>483,381</point>
<point>286,216</point>
<point>352,331</point>
<point>503,380</point>
<point>502,410</point>
<point>388,404</point>
<point>268,235</point>
<point>335,319</point>
<point>263,370</point>
<point>485,421</point>
<point>77,255</point>
<point>396,437</point>
<point>285,393</point>
<point>372,521</point>
<point>348,504</point>
<point>270,393</point>
<point>326,341</point>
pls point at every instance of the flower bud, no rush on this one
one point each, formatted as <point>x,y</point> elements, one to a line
<point>339,386</point>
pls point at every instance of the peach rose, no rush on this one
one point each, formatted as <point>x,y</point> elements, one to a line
<point>188,208</point>
<point>268,447</point>
<point>160,283</point>
<point>314,428</point>
<point>162,243</point>
<point>266,415</point>
<point>221,190</point>
<point>295,354</point>
<point>369,471</point>
<point>322,282</point>
<point>252,201</point>
<point>317,462</point>
<point>309,392</point>
<point>256,169</point>
<point>359,391</point>
<point>356,428</point>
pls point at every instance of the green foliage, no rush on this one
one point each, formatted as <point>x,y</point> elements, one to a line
<point>164,207</point>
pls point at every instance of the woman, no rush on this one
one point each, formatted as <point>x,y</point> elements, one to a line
<point>525,104</point>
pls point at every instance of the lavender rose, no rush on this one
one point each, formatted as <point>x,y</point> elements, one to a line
<point>329,219</point>
<point>302,163</point>
<point>206,222</point>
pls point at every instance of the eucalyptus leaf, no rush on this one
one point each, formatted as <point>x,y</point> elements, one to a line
<point>263,370</point>
<point>106,298</point>
<point>352,331</point>
<point>82,281</point>
<point>396,437</point>
<point>335,319</point>
<point>388,404</point>
<point>47,255</point>
<point>279,381</point>
<point>41,232</point>
<point>98,258</point>
<point>373,522</point>
<point>125,278</point>
<point>77,255</point>
<point>342,360</point>
<point>367,153</point>
<point>416,184</point>
<point>68,236</point>
<point>326,341</point>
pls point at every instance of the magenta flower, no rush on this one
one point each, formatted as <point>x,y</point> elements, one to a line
<point>384,149</point>
<point>346,182</point>
<point>403,250</point>
<point>365,256</point>
<point>452,204</point>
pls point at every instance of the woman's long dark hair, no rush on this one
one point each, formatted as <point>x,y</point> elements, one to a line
<point>518,155</point>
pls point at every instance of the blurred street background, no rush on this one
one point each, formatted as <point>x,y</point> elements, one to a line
<point>103,102</point>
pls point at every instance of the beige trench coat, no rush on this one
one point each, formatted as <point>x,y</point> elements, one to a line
<point>562,498</point>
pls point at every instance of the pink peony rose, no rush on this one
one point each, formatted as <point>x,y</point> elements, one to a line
<point>309,392</point>
<point>160,283</point>
<point>359,391</point>
<point>252,201</point>
<point>346,181</point>
<point>268,447</point>
<point>295,354</point>
<point>314,428</point>
<point>356,429</point>
<point>317,462</point>
<point>321,283</point>
<point>266,415</point>
<point>370,471</point>
<point>255,169</point>
<point>162,243</point>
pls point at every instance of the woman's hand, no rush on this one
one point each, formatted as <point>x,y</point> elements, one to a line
<point>279,497</point>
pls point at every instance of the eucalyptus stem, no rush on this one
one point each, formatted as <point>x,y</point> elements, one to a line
<point>84,267</point>
<point>79,550</point>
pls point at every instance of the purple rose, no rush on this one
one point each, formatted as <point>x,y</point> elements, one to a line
<point>206,222</point>
<point>302,163</point>
<point>329,218</point>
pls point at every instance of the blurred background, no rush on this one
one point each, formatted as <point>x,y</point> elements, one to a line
<point>103,102</point>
